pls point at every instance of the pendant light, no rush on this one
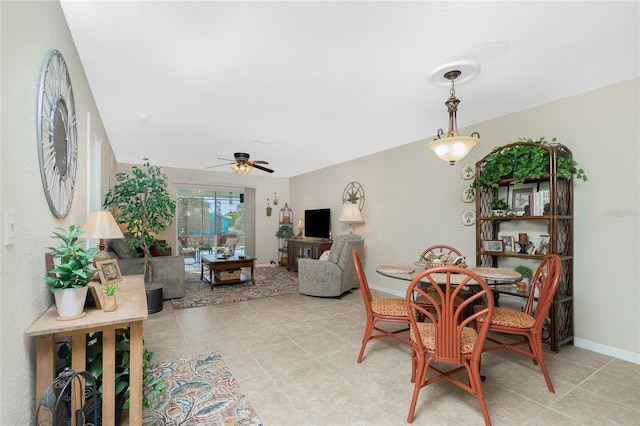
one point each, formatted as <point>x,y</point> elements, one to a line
<point>453,147</point>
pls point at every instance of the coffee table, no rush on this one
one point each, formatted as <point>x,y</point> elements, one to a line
<point>215,263</point>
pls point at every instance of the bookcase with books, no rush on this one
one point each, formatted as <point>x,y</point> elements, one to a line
<point>540,223</point>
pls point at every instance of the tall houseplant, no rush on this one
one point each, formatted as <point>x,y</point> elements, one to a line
<point>144,205</point>
<point>73,272</point>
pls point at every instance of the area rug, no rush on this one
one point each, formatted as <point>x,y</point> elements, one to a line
<point>200,391</point>
<point>270,281</point>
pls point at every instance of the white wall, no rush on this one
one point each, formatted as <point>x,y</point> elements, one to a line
<point>29,30</point>
<point>265,186</point>
<point>413,200</point>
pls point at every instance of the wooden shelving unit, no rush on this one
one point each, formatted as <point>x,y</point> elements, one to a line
<point>558,224</point>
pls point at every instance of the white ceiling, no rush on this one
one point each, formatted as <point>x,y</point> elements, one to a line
<point>304,85</point>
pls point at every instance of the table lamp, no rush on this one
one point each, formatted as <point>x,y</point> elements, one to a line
<point>350,214</point>
<point>300,228</point>
<point>102,225</point>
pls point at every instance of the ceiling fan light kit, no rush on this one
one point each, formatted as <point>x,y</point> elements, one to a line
<point>242,165</point>
<point>453,147</point>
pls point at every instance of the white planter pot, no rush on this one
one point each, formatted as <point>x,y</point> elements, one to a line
<point>70,301</point>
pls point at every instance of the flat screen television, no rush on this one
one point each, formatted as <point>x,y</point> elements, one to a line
<point>317,223</point>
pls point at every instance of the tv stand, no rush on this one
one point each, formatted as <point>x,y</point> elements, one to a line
<point>310,248</point>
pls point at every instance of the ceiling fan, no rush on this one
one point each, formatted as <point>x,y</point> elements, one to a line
<point>242,165</point>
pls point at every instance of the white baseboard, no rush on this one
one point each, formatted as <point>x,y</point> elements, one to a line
<point>580,343</point>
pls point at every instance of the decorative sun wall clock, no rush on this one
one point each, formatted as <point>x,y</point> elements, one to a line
<point>57,135</point>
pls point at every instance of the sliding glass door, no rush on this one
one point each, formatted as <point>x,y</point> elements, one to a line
<point>207,217</point>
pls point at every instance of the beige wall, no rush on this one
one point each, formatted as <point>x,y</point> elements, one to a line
<point>29,31</point>
<point>264,185</point>
<point>413,200</point>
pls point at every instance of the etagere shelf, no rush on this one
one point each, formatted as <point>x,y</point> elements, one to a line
<point>557,222</point>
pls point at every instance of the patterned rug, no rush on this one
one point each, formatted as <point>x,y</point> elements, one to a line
<point>200,391</point>
<point>270,281</point>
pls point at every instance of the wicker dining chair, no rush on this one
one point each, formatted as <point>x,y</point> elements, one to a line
<point>379,310</point>
<point>447,337</point>
<point>528,324</point>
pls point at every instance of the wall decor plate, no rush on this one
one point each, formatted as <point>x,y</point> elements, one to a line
<point>468,171</point>
<point>468,217</point>
<point>468,194</point>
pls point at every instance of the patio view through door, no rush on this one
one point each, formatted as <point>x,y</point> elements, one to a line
<point>206,218</point>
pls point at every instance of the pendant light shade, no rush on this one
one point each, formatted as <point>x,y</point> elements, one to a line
<point>453,147</point>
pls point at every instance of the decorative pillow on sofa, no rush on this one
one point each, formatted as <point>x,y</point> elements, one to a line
<point>122,249</point>
<point>325,255</point>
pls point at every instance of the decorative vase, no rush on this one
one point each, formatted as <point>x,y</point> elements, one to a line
<point>109,304</point>
<point>70,302</point>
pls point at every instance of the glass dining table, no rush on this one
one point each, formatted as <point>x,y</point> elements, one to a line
<point>496,277</point>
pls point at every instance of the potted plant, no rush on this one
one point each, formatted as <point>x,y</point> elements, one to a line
<point>110,304</point>
<point>69,279</point>
<point>145,206</point>
<point>526,159</point>
<point>526,273</point>
<point>499,207</point>
<point>285,231</point>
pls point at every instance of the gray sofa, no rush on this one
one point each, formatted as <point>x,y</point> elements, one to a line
<point>334,276</point>
<point>168,271</point>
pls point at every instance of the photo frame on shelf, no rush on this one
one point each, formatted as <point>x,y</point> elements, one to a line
<point>109,271</point>
<point>508,243</point>
<point>492,245</point>
<point>542,244</point>
<point>520,199</point>
<point>93,299</point>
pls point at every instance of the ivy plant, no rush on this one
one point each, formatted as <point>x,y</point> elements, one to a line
<point>526,161</point>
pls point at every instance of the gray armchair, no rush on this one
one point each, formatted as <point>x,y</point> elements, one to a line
<point>335,276</point>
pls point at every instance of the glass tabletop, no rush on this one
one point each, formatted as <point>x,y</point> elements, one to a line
<point>491,275</point>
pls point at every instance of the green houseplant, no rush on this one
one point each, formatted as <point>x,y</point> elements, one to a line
<point>152,386</point>
<point>526,160</point>
<point>285,231</point>
<point>68,280</point>
<point>499,204</point>
<point>144,205</point>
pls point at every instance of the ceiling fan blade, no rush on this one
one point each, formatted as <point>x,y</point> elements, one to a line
<point>258,162</point>
<point>264,169</point>
<point>226,159</point>
<point>220,165</point>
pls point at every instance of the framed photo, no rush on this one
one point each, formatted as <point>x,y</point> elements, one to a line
<point>492,245</point>
<point>541,244</point>
<point>93,299</point>
<point>508,243</point>
<point>109,271</point>
<point>520,199</point>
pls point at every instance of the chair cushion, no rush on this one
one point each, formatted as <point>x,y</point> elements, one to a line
<point>389,307</point>
<point>427,332</point>
<point>506,317</point>
<point>324,256</point>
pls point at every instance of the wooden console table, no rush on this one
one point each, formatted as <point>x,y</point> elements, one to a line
<point>310,248</point>
<point>132,310</point>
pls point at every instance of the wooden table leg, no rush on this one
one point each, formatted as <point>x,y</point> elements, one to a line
<point>46,367</point>
<point>135,373</point>
<point>252,276</point>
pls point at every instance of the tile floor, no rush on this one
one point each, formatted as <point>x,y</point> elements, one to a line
<point>295,356</point>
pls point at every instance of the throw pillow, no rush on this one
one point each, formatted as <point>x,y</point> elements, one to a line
<point>324,256</point>
<point>122,249</point>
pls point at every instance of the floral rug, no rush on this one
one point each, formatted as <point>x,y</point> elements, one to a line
<point>200,391</point>
<point>270,281</point>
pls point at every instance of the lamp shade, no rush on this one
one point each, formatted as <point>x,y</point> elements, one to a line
<point>101,224</point>
<point>351,214</point>
<point>301,224</point>
<point>454,148</point>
